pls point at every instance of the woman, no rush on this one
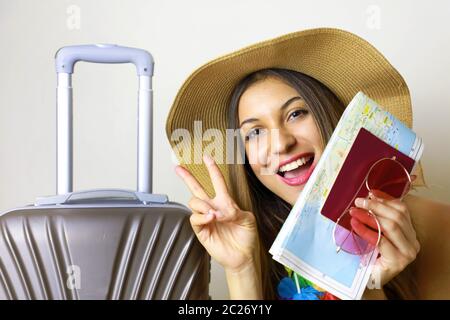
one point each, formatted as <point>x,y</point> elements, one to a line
<point>265,87</point>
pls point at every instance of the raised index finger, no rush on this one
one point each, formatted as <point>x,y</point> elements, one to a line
<point>192,183</point>
<point>217,179</point>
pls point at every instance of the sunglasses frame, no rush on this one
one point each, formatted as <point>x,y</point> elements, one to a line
<point>369,212</point>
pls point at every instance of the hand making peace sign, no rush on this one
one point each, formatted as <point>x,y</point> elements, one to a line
<point>228,233</point>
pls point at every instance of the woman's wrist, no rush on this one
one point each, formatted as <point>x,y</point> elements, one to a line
<point>245,283</point>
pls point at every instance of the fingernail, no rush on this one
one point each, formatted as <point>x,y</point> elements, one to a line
<point>179,171</point>
<point>210,213</point>
<point>207,159</point>
<point>361,202</point>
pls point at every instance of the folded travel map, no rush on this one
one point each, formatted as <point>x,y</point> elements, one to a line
<point>305,242</point>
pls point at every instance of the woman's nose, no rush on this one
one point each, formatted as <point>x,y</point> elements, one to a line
<point>282,141</point>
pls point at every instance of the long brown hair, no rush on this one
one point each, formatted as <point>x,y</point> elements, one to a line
<point>250,194</point>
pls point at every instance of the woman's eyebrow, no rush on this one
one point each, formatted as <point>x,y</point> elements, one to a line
<point>284,106</point>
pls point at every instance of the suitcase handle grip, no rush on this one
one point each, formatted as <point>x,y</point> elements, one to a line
<point>66,57</point>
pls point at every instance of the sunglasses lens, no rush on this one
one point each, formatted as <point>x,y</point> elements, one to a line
<point>390,177</point>
<point>356,232</point>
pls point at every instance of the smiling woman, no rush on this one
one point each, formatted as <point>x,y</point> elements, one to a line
<point>303,113</point>
<point>285,96</point>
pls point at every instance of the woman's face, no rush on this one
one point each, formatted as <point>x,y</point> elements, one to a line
<point>282,141</point>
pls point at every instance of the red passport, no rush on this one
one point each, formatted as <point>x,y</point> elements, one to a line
<point>365,151</point>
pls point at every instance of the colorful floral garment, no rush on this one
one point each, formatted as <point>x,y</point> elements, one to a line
<point>295,287</point>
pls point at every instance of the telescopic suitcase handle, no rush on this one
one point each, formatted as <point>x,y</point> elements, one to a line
<point>66,58</point>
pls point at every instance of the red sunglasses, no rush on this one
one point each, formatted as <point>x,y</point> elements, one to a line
<point>358,232</point>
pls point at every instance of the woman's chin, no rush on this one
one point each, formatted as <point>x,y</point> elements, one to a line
<point>291,194</point>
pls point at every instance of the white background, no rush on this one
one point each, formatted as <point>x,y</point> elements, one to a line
<point>182,35</point>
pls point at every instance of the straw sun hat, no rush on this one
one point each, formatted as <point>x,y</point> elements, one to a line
<point>342,61</point>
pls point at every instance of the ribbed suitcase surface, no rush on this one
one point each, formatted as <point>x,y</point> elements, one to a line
<point>101,253</point>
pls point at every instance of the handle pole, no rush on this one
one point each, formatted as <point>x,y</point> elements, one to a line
<point>64,143</point>
<point>145,135</point>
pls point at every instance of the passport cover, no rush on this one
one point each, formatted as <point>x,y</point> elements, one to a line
<point>365,151</point>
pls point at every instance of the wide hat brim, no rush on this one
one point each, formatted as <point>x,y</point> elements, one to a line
<point>342,61</point>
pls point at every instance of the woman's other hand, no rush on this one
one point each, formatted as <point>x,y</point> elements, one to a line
<point>398,245</point>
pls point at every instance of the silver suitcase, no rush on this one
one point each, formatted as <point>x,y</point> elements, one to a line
<point>102,244</point>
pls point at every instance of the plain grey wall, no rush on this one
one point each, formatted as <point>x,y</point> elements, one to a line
<point>182,35</point>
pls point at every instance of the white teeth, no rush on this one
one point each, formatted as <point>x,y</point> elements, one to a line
<point>294,164</point>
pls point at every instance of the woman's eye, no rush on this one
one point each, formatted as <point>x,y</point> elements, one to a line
<point>253,133</point>
<point>298,113</point>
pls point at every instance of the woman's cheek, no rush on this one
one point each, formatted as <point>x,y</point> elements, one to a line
<point>257,156</point>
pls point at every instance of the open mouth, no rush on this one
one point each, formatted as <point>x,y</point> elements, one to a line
<point>297,172</point>
<point>296,168</point>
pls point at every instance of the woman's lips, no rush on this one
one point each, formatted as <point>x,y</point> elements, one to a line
<point>300,179</point>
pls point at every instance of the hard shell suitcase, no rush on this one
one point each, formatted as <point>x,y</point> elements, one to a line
<point>102,244</point>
